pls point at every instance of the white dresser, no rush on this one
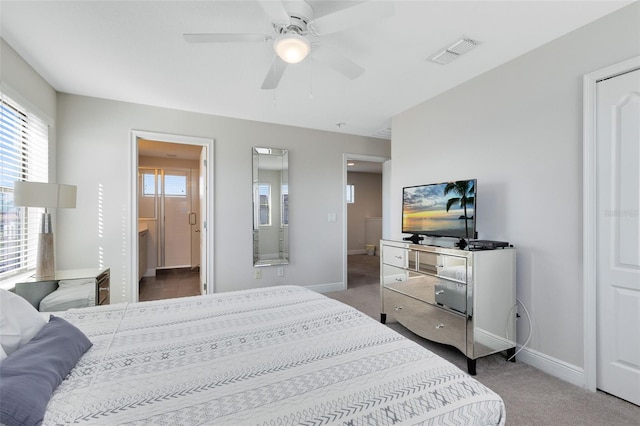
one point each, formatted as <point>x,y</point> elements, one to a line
<point>463,298</point>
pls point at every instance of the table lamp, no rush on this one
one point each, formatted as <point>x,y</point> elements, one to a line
<point>47,195</point>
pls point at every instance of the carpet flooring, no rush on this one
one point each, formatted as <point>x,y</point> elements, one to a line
<point>531,396</point>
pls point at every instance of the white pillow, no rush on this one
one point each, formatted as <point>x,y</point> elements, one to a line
<point>19,321</point>
<point>69,296</point>
<point>76,282</point>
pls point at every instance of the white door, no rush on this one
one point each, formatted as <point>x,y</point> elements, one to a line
<point>618,235</point>
<point>203,191</point>
<point>176,230</point>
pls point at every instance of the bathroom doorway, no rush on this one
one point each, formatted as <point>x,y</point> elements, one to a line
<point>173,209</point>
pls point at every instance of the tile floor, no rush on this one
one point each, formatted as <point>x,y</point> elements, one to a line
<point>170,283</point>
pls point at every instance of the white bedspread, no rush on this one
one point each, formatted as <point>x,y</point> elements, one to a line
<point>277,356</point>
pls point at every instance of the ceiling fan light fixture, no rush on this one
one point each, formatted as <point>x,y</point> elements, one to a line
<point>292,48</point>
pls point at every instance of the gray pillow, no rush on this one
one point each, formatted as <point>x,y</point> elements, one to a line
<point>29,375</point>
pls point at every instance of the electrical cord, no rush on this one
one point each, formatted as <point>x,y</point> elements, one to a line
<point>530,330</point>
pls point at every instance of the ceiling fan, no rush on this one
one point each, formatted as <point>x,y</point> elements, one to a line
<point>293,25</point>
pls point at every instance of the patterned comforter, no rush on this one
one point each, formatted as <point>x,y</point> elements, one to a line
<point>276,356</point>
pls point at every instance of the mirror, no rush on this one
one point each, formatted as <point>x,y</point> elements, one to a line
<point>270,206</point>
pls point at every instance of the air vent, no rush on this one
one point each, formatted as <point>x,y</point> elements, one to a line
<point>448,54</point>
<point>383,133</point>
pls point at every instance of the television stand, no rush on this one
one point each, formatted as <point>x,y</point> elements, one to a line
<point>415,238</point>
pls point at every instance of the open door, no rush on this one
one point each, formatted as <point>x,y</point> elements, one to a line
<point>152,144</point>
<point>203,191</point>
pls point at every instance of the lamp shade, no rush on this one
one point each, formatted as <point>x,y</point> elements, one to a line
<point>48,195</point>
<point>292,48</point>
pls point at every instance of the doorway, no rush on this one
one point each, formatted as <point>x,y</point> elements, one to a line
<point>611,230</point>
<point>168,206</point>
<point>364,201</point>
<point>172,205</point>
<point>168,203</point>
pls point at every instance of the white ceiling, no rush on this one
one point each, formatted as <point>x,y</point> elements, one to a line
<point>134,51</point>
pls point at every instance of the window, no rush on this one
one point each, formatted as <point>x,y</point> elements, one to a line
<point>351,194</point>
<point>264,191</point>
<point>149,183</point>
<point>23,157</point>
<point>175,185</point>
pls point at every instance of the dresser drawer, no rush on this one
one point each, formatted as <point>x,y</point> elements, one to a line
<point>452,295</point>
<point>393,274</point>
<point>428,321</point>
<point>427,262</point>
<point>395,256</point>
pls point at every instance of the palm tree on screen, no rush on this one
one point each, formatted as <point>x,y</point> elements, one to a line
<point>464,190</point>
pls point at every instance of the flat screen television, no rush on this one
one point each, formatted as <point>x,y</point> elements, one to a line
<point>445,209</point>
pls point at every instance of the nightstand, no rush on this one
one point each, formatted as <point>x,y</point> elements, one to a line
<point>35,290</point>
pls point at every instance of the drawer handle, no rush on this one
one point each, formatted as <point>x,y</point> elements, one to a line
<point>398,308</point>
<point>439,326</point>
<point>440,292</point>
<point>103,288</point>
<point>399,280</point>
<point>398,257</point>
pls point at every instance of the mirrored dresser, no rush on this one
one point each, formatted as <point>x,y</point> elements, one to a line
<point>463,298</point>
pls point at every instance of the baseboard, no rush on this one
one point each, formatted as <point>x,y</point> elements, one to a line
<point>326,288</point>
<point>363,251</point>
<point>555,367</point>
<point>491,340</point>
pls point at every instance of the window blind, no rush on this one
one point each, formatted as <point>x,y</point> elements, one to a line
<point>23,157</point>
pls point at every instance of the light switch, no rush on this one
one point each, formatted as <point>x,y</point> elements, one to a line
<point>331,217</point>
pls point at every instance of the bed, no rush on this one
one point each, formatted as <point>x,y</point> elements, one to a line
<point>278,356</point>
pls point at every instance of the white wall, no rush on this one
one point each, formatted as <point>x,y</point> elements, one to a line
<point>19,80</point>
<point>24,85</point>
<point>518,130</point>
<point>95,154</point>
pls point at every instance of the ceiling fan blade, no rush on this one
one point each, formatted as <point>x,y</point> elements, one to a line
<point>351,17</point>
<point>343,65</point>
<point>275,11</point>
<point>274,74</point>
<point>225,38</point>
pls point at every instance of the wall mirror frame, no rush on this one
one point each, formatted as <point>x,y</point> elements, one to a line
<point>270,206</point>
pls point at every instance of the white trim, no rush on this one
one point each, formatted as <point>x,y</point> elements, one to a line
<point>359,157</point>
<point>326,288</point>
<point>589,206</point>
<point>491,340</point>
<point>553,366</point>
<point>133,243</point>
